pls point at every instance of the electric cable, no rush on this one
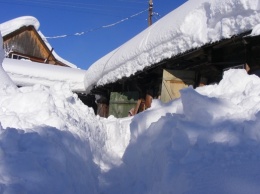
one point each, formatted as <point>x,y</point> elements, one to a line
<point>97,28</point>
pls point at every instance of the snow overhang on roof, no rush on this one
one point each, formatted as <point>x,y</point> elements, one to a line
<point>54,53</point>
<point>15,24</point>
<point>28,73</point>
<point>192,25</point>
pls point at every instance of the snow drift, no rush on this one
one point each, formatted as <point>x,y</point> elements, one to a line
<point>208,141</point>
<point>205,142</point>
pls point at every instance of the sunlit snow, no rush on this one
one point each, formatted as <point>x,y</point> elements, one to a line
<point>192,25</point>
<point>207,141</point>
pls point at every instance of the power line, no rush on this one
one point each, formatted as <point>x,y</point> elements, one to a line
<point>98,28</point>
<point>100,9</point>
<point>132,1</point>
<point>72,4</point>
<point>69,4</point>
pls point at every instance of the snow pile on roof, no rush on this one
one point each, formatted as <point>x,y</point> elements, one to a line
<point>192,25</point>
<point>27,73</point>
<point>15,24</point>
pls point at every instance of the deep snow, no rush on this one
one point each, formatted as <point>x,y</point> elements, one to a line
<point>208,141</point>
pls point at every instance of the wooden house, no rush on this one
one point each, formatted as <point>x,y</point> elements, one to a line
<point>27,53</point>
<point>22,40</point>
<point>163,77</point>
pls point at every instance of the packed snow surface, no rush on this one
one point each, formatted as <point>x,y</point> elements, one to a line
<point>192,25</point>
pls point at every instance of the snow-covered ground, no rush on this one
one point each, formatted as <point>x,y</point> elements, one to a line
<point>208,141</point>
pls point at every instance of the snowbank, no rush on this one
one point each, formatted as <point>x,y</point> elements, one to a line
<point>207,141</point>
<point>192,25</point>
<point>50,142</point>
<point>44,143</point>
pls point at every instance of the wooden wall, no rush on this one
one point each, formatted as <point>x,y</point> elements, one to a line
<point>27,42</point>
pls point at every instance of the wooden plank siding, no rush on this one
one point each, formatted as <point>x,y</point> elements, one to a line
<point>173,81</point>
<point>28,43</point>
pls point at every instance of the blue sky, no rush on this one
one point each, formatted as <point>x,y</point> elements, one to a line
<point>67,17</point>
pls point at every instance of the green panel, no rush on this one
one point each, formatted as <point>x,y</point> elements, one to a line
<point>121,103</point>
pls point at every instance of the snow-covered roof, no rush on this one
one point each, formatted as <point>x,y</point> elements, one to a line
<point>26,73</point>
<point>54,53</point>
<point>192,25</point>
<point>15,24</point>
